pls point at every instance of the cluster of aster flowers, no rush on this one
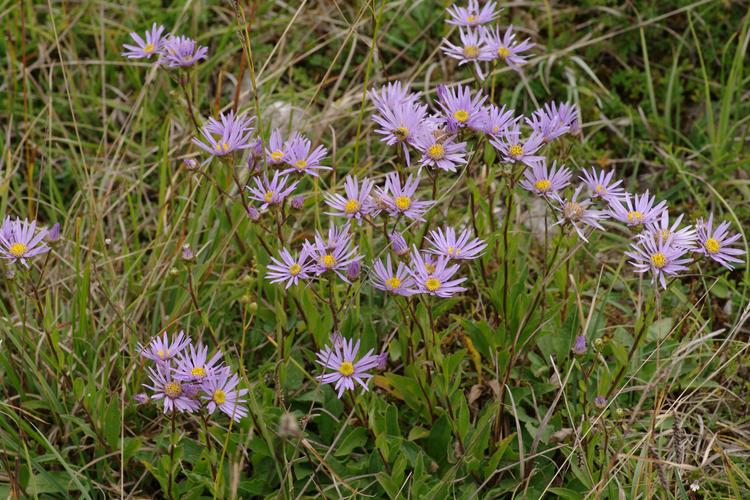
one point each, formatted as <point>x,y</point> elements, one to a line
<point>171,51</point>
<point>479,42</point>
<point>21,240</point>
<point>188,380</point>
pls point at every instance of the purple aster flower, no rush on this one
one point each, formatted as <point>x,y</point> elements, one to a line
<point>513,149</point>
<point>445,243</point>
<point>384,278</point>
<point>145,49</point>
<point>273,192</point>
<point>337,339</point>
<point>542,182</point>
<point>222,393</point>
<point>334,254</point>
<point>578,212</point>
<point>681,238</point>
<point>398,243</point>
<point>176,395</point>
<point>637,211</point>
<point>580,347</point>
<point>436,279</point>
<point>194,365</point>
<point>459,108</point>
<point>496,120</point>
<point>472,15</point>
<point>548,123</point>
<point>225,137</point>
<point>568,114</point>
<point>440,150</point>
<point>289,269</point>
<point>357,201</point>
<point>601,186</point>
<point>161,349</point>
<point>400,123</point>
<point>600,402</point>
<point>20,240</point>
<point>301,159</point>
<point>182,52</point>
<point>346,369</point>
<point>716,243</point>
<point>399,199</point>
<point>277,150</point>
<point>353,270</point>
<point>391,95</point>
<point>507,48</point>
<point>660,257</point>
<point>472,49</point>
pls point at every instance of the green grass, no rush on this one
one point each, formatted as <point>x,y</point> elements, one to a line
<point>497,405</point>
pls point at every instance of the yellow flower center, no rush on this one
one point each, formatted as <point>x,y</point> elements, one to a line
<point>277,155</point>
<point>219,396</point>
<point>453,251</point>
<point>543,185</point>
<point>393,282</point>
<point>268,196</point>
<point>148,48</point>
<point>471,18</point>
<point>328,261</point>
<point>712,246</point>
<point>346,368</point>
<point>495,129</point>
<point>635,216</point>
<point>402,202</point>
<point>401,133</point>
<point>162,354</point>
<point>17,249</point>
<point>461,115</point>
<point>432,284</point>
<point>515,150</point>
<point>471,51</point>
<point>429,267</point>
<point>198,371</point>
<point>503,52</point>
<point>295,269</point>
<point>436,151</point>
<point>599,188</point>
<point>572,210</point>
<point>351,207</point>
<point>173,389</point>
<point>659,260</point>
<point>300,164</point>
<point>222,148</point>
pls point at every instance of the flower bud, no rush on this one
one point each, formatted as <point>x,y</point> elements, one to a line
<point>141,398</point>
<point>598,344</point>
<point>353,270</point>
<point>398,244</point>
<point>190,163</point>
<point>187,253</point>
<point>252,307</point>
<point>580,347</point>
<point>174,271</point>
<point>337,339</point>
<point>253,213</point>
<point>298,201</point>
<point>10,274</point>
<point>53,235</point>
<point>382,361</point>
<point>600,402</point>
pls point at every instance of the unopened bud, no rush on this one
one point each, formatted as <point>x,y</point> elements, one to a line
<point>398,244</point>
<point>190,163</point>
<point>252,307</point>
<point>253,213</point>
<point>580,347</point>
<point>298,201</point>
<point>187,253</point>
<point>141,398</point>
<point>353,270</point>
<point>174,271</point>
<point>53,235</point>
<point>600,402</point>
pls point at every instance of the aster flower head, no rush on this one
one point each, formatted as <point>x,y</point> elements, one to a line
<point>681,237</point>
<point>272,192</point>
<point>514,149</point>
<point>301,159</point>
<point>333,254</point>
<point>471,50</point>
<point>441,151</point>
<point>636,211</point>
<point>398,282</point>
<point>399,200</point>
<point>472,15</point>
<point>398,243</point>
<point>543,182</point>
<point>225,136</point>
<point>548,122</point>
<point>357,201</point>
<point>193,364</point>
<point>182,52</point>
<point>347,369</point>
<point>435,279</point>
<point>568,114</point>
<point>445,243</point>
<point>716,243</point>
<point>459,108</point>
<point>144,49</point>
<point>288,269</point>
<point>496,120</point>
<point>659,256</point>
<point>506,48</point>
<point>601,185</point>
<point>391,95</point>
<point>277,150</point>
<point>20,240</point>
<point>222,392</point>
<point>177,395</point>
<point>400,122</point>
<point>578,213</point>
<point>161,349</point>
